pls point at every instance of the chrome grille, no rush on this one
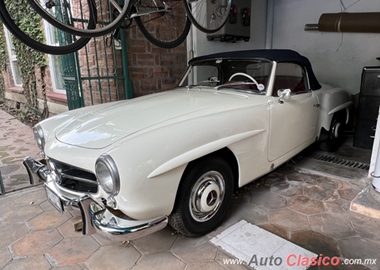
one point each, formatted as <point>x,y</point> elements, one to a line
<point>74,178</point>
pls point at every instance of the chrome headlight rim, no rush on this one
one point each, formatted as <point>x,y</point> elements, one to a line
<point>107,161</point>
<point>39,136</point>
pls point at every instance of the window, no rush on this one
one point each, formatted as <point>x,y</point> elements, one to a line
<point>13,59</point>
<point>55,61</point>
<point>257,69</point>
<point>205,75</point>
<point>290,76</point>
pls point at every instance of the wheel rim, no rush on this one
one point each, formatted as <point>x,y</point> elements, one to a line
<point>336,130</point>
<point>207,196</point>
<point>208,16</point>
<point>167,29</point>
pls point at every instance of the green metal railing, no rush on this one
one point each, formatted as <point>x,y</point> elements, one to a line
<point>97,73</point>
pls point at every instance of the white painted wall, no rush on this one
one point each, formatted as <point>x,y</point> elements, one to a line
<point>202,46</point>
<point>337,58</point>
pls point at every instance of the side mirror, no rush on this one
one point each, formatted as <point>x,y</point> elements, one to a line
<point>213,79</point>
<point>284,94</point>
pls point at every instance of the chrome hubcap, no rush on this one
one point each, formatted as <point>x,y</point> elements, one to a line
<point>336,130</point>
<point>207,196</point>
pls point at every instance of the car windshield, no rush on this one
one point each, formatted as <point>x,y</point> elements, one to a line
<point>250,76</point>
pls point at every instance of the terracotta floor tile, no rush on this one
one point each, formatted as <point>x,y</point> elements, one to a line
<point>31,262</point>
<point>160,261</point>
<point>73,250</point>
<point>49,220</point>
<point>12,232</point>
<point>37,242</point>
<point>114,257</point>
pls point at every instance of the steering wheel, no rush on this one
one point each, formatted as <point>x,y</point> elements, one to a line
<point>245,75</point>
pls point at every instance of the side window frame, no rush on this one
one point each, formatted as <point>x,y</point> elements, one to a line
<point>16,74</point>
<point>305,79</point>
<point>55,71</point>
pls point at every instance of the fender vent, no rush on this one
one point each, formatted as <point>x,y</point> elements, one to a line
<point>340,161</point>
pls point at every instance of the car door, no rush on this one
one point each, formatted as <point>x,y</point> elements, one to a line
<point>293,120</point>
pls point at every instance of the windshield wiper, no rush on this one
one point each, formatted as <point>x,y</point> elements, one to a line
<point>232,84</point>
<point>207,83</point>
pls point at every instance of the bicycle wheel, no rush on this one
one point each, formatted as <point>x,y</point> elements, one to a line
<point>208,16</point>
<point>164,24</point>
<point>12,26</point>
<point>80,14</point>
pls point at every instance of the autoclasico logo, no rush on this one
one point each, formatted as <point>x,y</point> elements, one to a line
<point>294,260</point>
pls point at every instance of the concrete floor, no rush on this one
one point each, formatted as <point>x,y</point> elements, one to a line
<point>306,202</point>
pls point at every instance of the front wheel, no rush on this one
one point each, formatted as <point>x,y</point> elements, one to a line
<point>164,24</point>
<point>203,197</point>
<point>335,134</point>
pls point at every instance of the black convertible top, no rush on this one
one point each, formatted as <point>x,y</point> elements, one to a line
<point>279,56</point>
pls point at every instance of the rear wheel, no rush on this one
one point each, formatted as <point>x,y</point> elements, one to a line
<point>208,16</point>
<point>335,134</point>
<point>166,26</point>
<point>203,197</point>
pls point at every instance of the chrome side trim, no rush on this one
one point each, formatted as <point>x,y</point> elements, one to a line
<point>340,107</point>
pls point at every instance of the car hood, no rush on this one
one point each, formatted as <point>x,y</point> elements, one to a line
<point>103,125</point>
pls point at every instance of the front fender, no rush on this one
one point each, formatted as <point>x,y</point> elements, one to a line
<point>202,151</point>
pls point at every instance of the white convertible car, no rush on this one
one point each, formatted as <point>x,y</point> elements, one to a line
<point>176,157</point>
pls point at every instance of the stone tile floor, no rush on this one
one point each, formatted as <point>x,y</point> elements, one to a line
<point>312,211</point>
<point>16,142</point>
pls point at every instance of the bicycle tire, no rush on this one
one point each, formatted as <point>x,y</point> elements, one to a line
<point>83,32</point>
<point>36,45</point>
<point>171,23</point>
<point>198,13</point>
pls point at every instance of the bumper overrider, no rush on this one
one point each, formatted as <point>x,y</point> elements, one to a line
<point>96,217</point>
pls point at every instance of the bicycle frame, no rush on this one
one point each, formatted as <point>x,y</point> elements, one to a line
<point>138,13</point>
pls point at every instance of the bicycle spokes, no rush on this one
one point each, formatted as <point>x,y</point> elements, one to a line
<point>165,24</point>
<point>208,16</point>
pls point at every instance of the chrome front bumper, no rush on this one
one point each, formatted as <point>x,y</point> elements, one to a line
<point>96,217</point>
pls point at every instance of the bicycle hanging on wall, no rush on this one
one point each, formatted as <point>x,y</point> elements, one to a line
<point>164,24</point>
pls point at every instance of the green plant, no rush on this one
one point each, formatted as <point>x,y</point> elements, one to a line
<point>3,51</point>
<point>31,63</point>
<point>3,63</point>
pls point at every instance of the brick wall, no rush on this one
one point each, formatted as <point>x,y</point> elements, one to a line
<point>99,64</point>
<point>153,69</point>
<point>7,76</point>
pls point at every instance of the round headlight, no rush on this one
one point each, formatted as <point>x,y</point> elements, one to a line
<point>107,174</point>
<point>39,136</point>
